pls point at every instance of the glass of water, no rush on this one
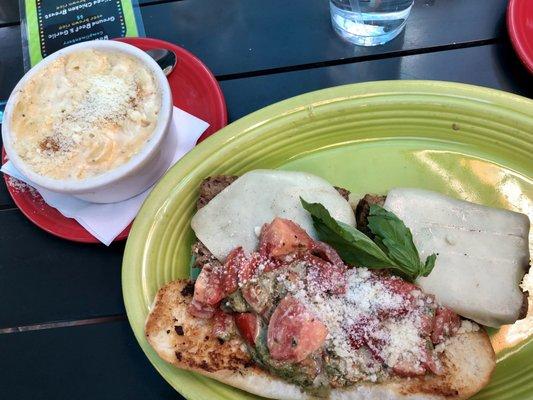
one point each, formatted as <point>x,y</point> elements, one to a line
<point>369,22</point>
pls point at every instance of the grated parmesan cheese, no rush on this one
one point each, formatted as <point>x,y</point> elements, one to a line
<point>468,326</point>
<point>22,187</point>
<point>366,297</point>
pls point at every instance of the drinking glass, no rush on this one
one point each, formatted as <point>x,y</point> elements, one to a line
<point>369,22</point>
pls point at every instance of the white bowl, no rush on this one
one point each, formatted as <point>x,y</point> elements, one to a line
<point>130,178</point>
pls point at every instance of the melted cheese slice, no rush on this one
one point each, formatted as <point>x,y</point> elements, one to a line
<point>233,218</point>
<point>482,252</point>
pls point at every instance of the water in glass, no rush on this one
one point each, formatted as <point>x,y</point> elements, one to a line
<point>369,22</point>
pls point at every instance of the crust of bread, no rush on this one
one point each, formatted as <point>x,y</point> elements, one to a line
<point>187,343</point>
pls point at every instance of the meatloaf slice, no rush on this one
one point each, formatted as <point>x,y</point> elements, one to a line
<point>212,186</point>
<point>363,209</point>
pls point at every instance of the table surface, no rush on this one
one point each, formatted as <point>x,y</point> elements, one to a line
<point>63,329</point>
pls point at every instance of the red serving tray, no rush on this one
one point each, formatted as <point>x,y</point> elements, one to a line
<point>194,89</point>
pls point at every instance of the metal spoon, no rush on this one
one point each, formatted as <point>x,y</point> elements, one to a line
<point>165,58</point>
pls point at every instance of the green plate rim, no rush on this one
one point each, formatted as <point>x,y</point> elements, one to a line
<point>507,103</point>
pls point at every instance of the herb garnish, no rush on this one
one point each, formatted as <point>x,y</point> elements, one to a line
<point>193,270</point>
<point>393,247</point>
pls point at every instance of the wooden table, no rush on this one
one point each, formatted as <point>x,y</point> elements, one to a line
<point>63,329</point>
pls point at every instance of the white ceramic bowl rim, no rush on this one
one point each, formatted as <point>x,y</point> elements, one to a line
<point>93,183</point>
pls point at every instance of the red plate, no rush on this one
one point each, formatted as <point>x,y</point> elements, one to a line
<point>520,26</point>
<point>194,89</point>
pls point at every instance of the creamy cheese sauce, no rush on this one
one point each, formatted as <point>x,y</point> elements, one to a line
<point>85,114</point>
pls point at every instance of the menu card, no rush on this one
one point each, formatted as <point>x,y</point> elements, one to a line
<point>49,25</point>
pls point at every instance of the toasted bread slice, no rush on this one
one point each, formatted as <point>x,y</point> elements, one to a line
<point>187,343</point>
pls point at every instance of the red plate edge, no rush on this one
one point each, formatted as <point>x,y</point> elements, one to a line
<point>42,215</point>
<point>221,110</point>
<point>521,34</point>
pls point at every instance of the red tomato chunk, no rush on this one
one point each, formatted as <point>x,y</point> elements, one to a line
<point>248,326</point>
<point>282,237</point>
<point>223,325</point>
<point>293,332</point>
<point>445,325</point>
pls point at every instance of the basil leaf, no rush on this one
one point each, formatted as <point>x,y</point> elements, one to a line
<point>396,241</point>
<point>353,246</point>
<point>193,271</point>
<point>428,265</point>
<point>394,238</point>
<point>392,248</point>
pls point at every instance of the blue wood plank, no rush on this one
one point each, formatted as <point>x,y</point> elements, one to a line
<point>9,12</point>
<point>11,67</point>
<point>101,362</point>
<point>44,278</point>
<point>494,66</point>
<point>239,36</point>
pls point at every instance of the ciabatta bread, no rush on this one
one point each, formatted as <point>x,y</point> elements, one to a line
<point>188,343</point>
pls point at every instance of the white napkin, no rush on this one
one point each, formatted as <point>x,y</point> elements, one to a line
<point>106,221</point>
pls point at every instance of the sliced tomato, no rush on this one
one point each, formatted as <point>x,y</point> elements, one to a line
<point>248,326</point>
<point>407,368</point>
<point>401,288</point>
<point>232,269</point>
<point>328,253</point>
<point>213,284</point>
<point>358,332</point>
<point>247,269</point>
<point>323,276</point>
<point>256,265</point>
<point>208,288</point>
<point>445,325</point>
<point>426,324</point>
<point>282,237</point>
<point>223,325</point>
<point>398,285</point>
<point>199,310</point>
<point>293,332</point>
<point>375,343</point>
<point>411,366</point>
<point>262,263</point>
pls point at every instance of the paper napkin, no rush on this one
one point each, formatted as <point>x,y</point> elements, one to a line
<point>106,221</point>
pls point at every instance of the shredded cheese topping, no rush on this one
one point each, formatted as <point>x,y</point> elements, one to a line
<point>84,114</point>
<point>394,339</point>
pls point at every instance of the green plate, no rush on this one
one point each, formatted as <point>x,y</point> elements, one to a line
<point>468,142</point>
